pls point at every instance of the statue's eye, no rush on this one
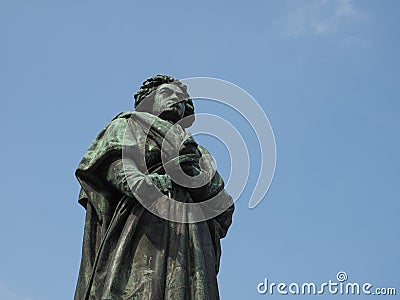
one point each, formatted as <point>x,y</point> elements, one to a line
<point>164,92</point>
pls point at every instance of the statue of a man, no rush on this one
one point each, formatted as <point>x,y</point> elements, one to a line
<point>130,251</point>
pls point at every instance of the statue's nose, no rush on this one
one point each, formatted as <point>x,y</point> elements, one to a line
<point>174,97</point>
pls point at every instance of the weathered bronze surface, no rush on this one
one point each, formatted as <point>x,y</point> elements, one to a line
<point>128,252</point>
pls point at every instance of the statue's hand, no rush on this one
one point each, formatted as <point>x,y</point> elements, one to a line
<point>162,182</point>
<point>191,169</point>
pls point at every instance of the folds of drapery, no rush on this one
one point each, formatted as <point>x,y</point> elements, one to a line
<point>127,251</point>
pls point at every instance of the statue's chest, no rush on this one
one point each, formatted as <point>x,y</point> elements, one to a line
<point>152,153</point>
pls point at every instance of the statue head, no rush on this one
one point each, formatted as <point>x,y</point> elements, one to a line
<point>167,98</point>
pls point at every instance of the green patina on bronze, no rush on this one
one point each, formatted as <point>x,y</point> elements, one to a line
<point>128,252</point>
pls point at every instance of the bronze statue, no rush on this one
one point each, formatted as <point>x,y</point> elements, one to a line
<point>129,251</point>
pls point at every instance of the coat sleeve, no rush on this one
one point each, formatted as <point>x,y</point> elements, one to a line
<point>124,176</point>
<point>215,188</point>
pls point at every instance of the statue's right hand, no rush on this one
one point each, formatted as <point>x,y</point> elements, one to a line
<point>162,182</point>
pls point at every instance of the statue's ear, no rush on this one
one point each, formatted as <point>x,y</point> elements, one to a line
<point>146,104</point>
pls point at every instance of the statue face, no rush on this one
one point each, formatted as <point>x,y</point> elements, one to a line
<point>169,102</point>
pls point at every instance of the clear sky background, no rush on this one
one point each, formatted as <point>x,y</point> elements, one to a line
<point>326,72</point>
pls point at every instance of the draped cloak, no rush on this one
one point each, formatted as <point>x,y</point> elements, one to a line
<point>130,253</point>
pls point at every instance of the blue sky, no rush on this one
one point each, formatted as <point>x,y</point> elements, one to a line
<point>326,72</point>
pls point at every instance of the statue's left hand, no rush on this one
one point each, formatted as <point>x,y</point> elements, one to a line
<point>162,182</point>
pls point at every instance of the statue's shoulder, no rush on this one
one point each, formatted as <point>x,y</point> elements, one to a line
<point>119,120</point>
<point>115,126</point>
<point>119,123</point>
<point>123,115</point>
<point>133,115</point>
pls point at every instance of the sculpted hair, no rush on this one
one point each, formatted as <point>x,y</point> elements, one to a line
<point>151,84</point>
